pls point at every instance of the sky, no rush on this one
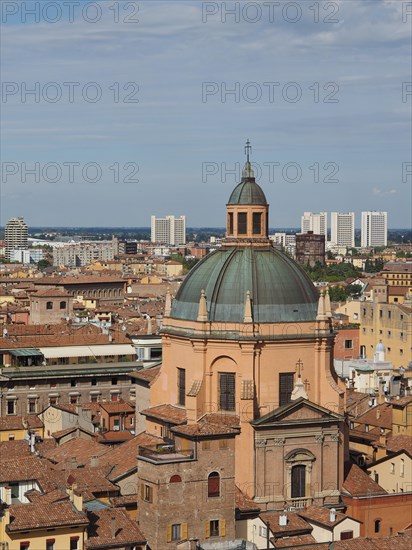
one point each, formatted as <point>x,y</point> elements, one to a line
<point>144,107</point>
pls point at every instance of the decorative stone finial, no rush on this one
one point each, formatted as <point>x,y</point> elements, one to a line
<point>248,318</point>
<point>328,309</point>
<point>248,170</point>
<point>321,316</point>
<point>202,311</point>
<point>168,303</point>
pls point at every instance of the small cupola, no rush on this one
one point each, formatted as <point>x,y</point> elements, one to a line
<point>247,208</point>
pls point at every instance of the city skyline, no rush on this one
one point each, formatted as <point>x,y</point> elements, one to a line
<point>315,100</point>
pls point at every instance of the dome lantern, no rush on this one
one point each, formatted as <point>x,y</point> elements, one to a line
<point>247,210</point>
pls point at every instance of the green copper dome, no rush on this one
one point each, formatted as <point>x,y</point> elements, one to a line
<point>247,192</point>
<point>279,288</point>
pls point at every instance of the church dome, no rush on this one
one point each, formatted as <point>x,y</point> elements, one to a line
<point>247,278</point>
<point>280,290</point>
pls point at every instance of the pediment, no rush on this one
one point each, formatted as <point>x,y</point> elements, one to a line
<point>295,411</point>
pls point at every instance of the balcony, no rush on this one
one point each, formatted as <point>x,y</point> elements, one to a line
<point>299,503</point>
<point>165,454</point>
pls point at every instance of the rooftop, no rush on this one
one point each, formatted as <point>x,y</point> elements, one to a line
<point>24,517</point>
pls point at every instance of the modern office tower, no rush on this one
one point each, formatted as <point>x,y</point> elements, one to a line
<point>317,223</point>
<point>342,228</point>
<point>15,235</point>
<point>374,230</point>
<point>168,230</point>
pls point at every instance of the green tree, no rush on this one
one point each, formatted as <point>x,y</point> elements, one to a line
<point>42,264</point>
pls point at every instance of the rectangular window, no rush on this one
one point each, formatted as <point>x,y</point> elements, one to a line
<point>147,493</point>
<point>181,386</point>
<point>74,543</point>
<point>392,467</point>
<point>227,392</point>
<point>230,223</point>
<point>52,400</point>
<point>176,530</point>
<point>50,544</point>
<point>73,399</point>
<point>11,407</point>
<point>242,223</point>
<point>24,545</point>
<point>94,382</point>
<point>345,535</point>
<point>214,528</point>
<point>114,381</point>
<point>257,223</point>
<point>31,406</point>
<point>73,383</point>
<point>286,383</point>
<point>348,344</point>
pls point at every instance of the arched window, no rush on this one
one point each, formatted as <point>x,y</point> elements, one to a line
<point>63,305</point>
<point>175,479</point>
<point>377,525</point>
<point>49,305</point>
<point>298,481</point>
<point>213,485</point>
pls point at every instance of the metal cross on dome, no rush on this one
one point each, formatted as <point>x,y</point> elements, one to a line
<point>248,150</point>
<point>299,366</point>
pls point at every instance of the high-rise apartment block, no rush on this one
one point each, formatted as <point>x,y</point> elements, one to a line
<point>343,228</point>
<point>374,229</point>
<point>15,235</point>
<point>317,223</point>
<point>168,230</point>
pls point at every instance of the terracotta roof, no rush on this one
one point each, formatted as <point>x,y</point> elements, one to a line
<point>80,449</point>
<point>399,443</point>
<point>295,541</point>
<point>402,401</point>
<point>318,514</point>
<point>117,407</point>
<point>358,483</point>
<point>56,495</point>
<point>123,459</point>
<point>14,449</point>
<point>244,503</point>
<point>166,413</point>
<point>67,431</point>
<point>24,517</point>
<point>20,422</point>
<point>114,436</point>
<point>51,292</point>
<point>295,524</point>
<point>211,425</point>
<point>124,500</point>
<point>90,481</point>
<point>402,541</point>
<point>112,521</point>
<point>380,416</point>
<point>147,375</point>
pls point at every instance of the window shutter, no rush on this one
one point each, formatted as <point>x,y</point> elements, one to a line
<point>184,531</point>
<point>207,529</point>
<point>169,533</point>
<point>222,530</point>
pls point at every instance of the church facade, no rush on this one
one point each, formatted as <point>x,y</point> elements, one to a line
<point>248,338</point>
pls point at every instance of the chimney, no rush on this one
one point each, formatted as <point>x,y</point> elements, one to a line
<point>378,414</point>
<point>72,463</point>
<point>283,519</point>
<point>32,442</point>
<point>94,461</point>
<point>332,515</point>
<point>7,495</point>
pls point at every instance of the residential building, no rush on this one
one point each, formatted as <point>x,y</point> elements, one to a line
<point>343,228</point>
<point>82,253</point>
<point>169,230</point>
<point>317,223</point>
<point>391,323</point>
<point>15,235</point>
<point>374,229</point>
<point>52,306</point>
<point>398,274</point>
